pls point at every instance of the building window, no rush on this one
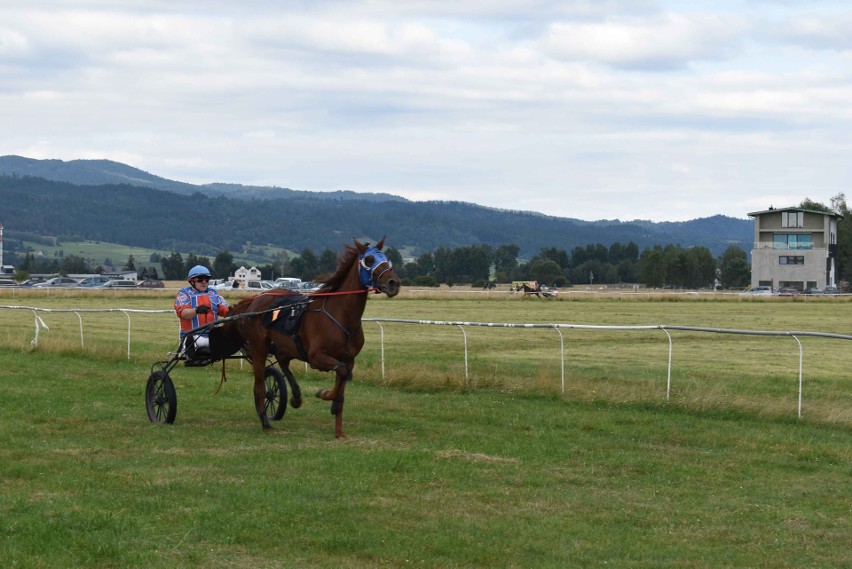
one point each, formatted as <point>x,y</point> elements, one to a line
<point>791,260</point>
<point>786,241</point>
<point>792,219</point>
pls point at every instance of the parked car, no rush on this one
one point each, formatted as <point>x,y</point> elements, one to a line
<point>151,283</point>
<point>831,290</point>
<point>58,282</point>
<point>94,281</point>
<point>758,291</point>
<point>309,286</point>
<point>31,282</point>
<point>288,282</point>
<point>256,286</point>
<point>789,291</point>
<point>119,283</point>
<point>8,282</point>
<point>812,291</point>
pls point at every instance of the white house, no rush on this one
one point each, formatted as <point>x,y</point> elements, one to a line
<point>243,275</point>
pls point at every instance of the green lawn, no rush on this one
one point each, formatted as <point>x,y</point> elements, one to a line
<point>496,470</point>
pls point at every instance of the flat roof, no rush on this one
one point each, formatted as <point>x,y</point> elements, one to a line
<point>780,209</point>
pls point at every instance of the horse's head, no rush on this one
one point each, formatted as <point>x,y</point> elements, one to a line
<point>375,270</point>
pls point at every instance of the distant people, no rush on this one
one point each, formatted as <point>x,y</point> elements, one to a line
<point>197,305</point>
<point>236,285</point>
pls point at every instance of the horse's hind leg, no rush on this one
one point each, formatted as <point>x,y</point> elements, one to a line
<point>295,390</point>
<point>259,366</point>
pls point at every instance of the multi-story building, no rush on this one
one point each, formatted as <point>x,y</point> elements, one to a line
<point>794,247</point>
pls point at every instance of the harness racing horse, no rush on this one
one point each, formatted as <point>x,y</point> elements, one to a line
<point>329,335</point>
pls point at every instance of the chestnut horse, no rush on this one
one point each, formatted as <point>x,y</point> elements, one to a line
<point>329,336</point>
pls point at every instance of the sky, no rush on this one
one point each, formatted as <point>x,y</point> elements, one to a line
<point>591,109</point>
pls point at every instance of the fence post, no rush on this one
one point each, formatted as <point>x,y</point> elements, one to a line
<point>128,331</point>
<point>562,355</point>
<point>80,319</point>
<point>466,380</point>
<point>801,356</point>
<point>669,372</point>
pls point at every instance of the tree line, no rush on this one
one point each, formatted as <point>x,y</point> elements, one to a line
<point>482,265</point>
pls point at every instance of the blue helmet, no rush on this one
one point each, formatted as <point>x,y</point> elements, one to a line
<point>198,271</point>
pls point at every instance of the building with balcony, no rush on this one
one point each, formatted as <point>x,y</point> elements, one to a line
<point>794,247</point>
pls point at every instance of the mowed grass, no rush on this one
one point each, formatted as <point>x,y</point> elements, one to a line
<point>496,469</point>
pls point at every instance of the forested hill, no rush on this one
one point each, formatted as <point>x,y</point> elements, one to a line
<point>169,221</point>
<point>103,172</point>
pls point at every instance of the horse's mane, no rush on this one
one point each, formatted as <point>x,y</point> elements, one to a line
<point>242,306</point>
<point>335,281</point>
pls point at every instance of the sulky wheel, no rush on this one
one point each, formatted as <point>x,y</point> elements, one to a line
<point>276,393</point>
<point>160,398</point>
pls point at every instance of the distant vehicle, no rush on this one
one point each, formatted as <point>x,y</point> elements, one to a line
<point>812,291</point>
<point>94,281</point>
<point>254,285</point>
<point>789,291</point>
<point>309,286</point>
<point>31,282</point>
<point>151,283</point>
<point>58,282</point>
<point>119,283</point>
<point>8,282</point>
<point>288,282</point>
<point>758,291</point>
<point>831,290</point>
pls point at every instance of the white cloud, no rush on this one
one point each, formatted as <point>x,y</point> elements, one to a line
<point>664,41</point>
<point>664,110</point>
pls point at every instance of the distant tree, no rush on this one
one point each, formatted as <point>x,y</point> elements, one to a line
<point>844,237</point>
<point>544,270</point>
<point>558,256</point>
<point>223,264</point>
<point>281,264</point>
<point>505,261</point>
<point>173,269</point>
<point>74,264</point>
<point>425,264</point>
<point>130,265</point>
<point>652,267</point>
<point>395,257</point>
<point>306,265</point>
<point>327,262</point>
<point>734,270</point>
<point>812,205</point>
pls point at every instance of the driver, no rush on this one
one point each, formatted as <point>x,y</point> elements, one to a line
<point>197,305</point>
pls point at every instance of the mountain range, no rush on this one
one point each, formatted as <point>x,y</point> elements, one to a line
<point>110,201</point>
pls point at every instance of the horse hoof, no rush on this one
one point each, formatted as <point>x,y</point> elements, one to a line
<point>295,403</point>
<point>321,392</point>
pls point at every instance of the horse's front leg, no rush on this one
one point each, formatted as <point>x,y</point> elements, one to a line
<point>343,373</point>
<point>295,390</point>
<point>259,366</point>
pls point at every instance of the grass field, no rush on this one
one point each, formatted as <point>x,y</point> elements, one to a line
<point>95,252</point>
<point>498,469</point>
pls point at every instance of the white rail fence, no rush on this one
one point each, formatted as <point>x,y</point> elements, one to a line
<point>663,327</point>
<point>461,325</point>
